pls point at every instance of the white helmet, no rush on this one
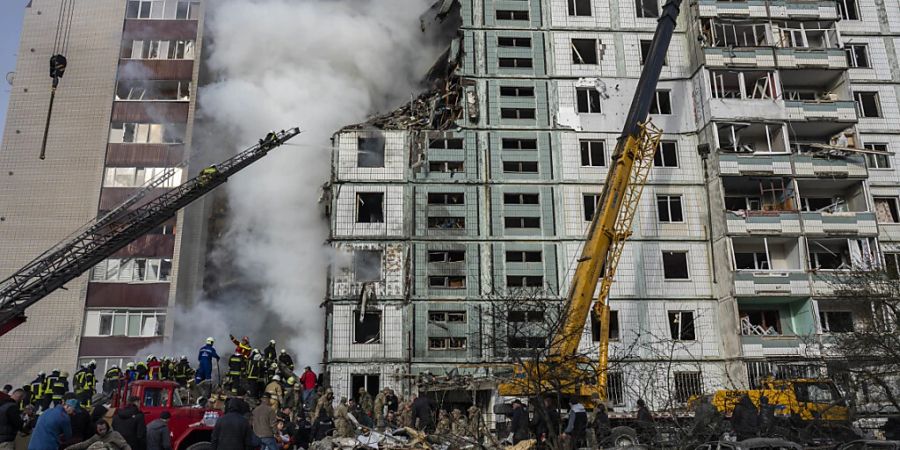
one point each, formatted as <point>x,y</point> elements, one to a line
<point>272,342</point>
<point>93,362</point>
<point>129,365</point>
<point>283,351</point>
<point>210,340</point>
<point>183,357</point>
<point>276,378</point>
<point>257,356</point>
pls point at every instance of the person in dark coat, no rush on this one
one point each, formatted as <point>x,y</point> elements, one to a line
<point>98,412</point>
<point>518,425</point>
<point>706,420</point>
<point>602,425</point>
<point>423,413</point>
<point>82,426</point>
<point>303,432</point>
<point>766,419</point>
<point>546,423</point>
<point>324,426</point>
<point>10,418</point>
<point>745,419</point>
<point>129,422</point>
<point>646,426</point>
<point>577,425</point>
<point>233,430</point>
<point>158,436</point>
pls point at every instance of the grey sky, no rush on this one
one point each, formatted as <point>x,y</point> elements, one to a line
<point>11,12</point>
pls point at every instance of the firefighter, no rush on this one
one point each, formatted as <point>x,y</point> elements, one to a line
<point>86,383</point>
<point>154,368</point>
<point>183,371</point>
<point>253,374</point>
<point>111,378</point>
<point>131,373</point>
<point>235,370</point>
<point>269,353</point>
<point>165,369</point>
<point>37,389</point>
<point>242,347</point>
<point>207,353</point>
<point>274,389</point>
<point>142,369</point>
<point>286,359</point>
<point>47,390</point>
<point>59,388</point>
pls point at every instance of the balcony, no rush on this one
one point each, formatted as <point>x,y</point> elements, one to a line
<point>811,110</point>
<point>818,58</point>
<point>770,283</point>
<point>775,326</point>
<point>777,9</point>
<point>768,267</point>
<point>746,164</point>
<point>810,164</point>
<point>740,57</point>
<point>763,205</point>
<point>835,207</point>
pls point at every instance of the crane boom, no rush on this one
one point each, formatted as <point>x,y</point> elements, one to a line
<point>611,225</point>
<point>111,232</point>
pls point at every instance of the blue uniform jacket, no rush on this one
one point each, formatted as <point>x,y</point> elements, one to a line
<point>52,427</point>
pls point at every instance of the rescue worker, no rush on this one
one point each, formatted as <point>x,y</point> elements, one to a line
<point>378,407</point>
<point>130,372</point>
<point>86,384</point>
<point>290,393</point>
<point>459,426</point>
<point>406,416</point>
<point>518,425</point>
<point>252,375</point>
<point>183,371</point>
<point>59,388</point>
<point>286,359</point>
<point>142,369</point>
<point>576,426</point>
<point>443,423</point>
<point>646,425</point>
<point>341,421</point>
<point>37,389</point>
<point>476,423</point>
<point>274,389</point>
<point>365,401</point>
<point>307,382</point>
<point>165,369</point>
<point>207,353</point>
<point>324,405</point>
<point>242,347</point>
<point>270,353</point>
<point>154,368</point>
<point>47,389</point>
<point>235,370</point>
<point>745,419</point>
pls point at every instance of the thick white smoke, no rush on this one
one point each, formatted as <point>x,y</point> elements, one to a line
<point>319,65</point>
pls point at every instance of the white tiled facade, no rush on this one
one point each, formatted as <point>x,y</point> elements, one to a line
<point>811,102</point>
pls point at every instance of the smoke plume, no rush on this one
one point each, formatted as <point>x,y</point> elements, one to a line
<point>319,65</point>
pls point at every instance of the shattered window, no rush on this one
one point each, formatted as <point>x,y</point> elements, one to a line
<point>666,154</point>
<point>662,103</point>
<point>446,198</point>
<point>593,153</point>
<point>367,266</point>
<point>520,166</point>
<point>886,210</point>
<point>447,281</point>
<point>875,161</point>
<point>751,261</point>
<point>523,256</point>
<point>517,113</point>
<point>521,199</point>
<point>446,256</point>
<point>681,325</point>
<point>507,14</point>
<point>446,144</point>
<point>370,207</point>
<point>511,41</point>
<point>579,7</point>
<point>446,166</point>
<point>761,323</point>
<point>516,91</point>
<point>584,51</point>
<point>590,206</point>
<point>515,63</point>
<point>646,8</point>
<point>518,144</point>
<point>524,281</point>
<point>588,100</point>
<point>522,222</point>
<point>447,316</point>
<point>527,342</point>
<point>370,152</point>
<point>857,55</point>
<point>645,51</point>
<point>613,326</point>
<point>892,265</point>
<point>867,104</point>
<point>848,9</point>
<point>675,265</point>
<point>367,330</point>
<point>524,316</point>
<point>446,223</point>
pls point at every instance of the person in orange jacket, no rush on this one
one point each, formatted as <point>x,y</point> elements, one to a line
<point>242,347</point>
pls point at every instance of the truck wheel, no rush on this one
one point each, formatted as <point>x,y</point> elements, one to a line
<point>200,446</point>
<point>622,436</point>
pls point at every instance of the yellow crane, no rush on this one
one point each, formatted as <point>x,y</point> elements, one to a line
<point>611,226</point>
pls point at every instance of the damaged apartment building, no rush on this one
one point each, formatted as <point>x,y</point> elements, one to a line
<point>776,169</point>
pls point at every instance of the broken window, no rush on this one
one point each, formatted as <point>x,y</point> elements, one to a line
<point>447,281</point>
<point>516,91</point>
<point>646,8</point>
<point>143,9</point>
<point>523,256</point>
<point>446,256</point>
<point>675,265</point>
<point>615,388</point>
<point>681,325</point>
<point>370,207</point>
<point>857,55</point>
<point>613,326</point>
<point>593,153</point>
<point>140,176</point>
<point>836,321</point>
<point>687,385</point>
<point>446,144</point>
<point>588,100</point>
<point>760,323</point>
<point>513,41</point>
<point>446,198</point>
<point>517,113</point>
<point>886,210</point>
<point>367,381</point>
<point>752,137</point>
<point>584,51</point>
<point>446,223</point>
<point>892,265</point>
<point>367,329</point>
<point>751,261</point>
<point>867,104</point>
<point>590,202</point>
<point>446,343</point>
<point>526,342</point>
<point>725,84</point>
<point>662,103</point>
<point>146,133</point>
<point>370,152</point>
<point>522,222</point>
<point>447,316</point>
<point>848,9</point>
<point>645,51</point>
<point>843,254</point>
<point>742,203</point>
<point>725,34</point>
<point>747,84</point>
<point>521,199</point>
<point>507,14</point>
<point>518,144</point>
<point>669,208</point>
<point>524,316</point>
<point>520,166</point>
<point>878,161</point>
<point>150,90</point>
<point>515,63</point>
<point>666,155</point>
<point>446,166</point>
<point>579,7</point>
<point>367,266</point>
<point>128,270</point>
<point>524,281</point>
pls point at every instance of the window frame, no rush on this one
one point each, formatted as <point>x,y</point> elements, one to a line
<point>668,200</point>
<point>588,150</point>
<point>853,56</point>
<point>687,265</point>
<point>591,101</point>
<point>662,102</point>
<point>873,161</point>
<point>677,316</point>
<point>860,107</point>
<point>660,154</point>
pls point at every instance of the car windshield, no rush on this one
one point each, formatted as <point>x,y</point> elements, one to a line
<point>155,397</point>
<point>176,399</point>
<point>815,392</point>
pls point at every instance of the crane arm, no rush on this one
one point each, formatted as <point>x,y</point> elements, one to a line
<point>111,232</point>
<point>611,225</point>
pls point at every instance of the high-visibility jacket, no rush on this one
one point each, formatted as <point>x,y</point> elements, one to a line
<point>142,370</point>
<point>183,371</point>
<point>88,381</point>
<point>78,380</point>
<point>235,365</point>
<point>49,381</point>
<point>113,374</point>
<point>241,348</point>
<point>153,369</point>
<point>37,389</point>
<point>254,369</point>
<point>59,389</point>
